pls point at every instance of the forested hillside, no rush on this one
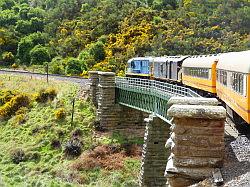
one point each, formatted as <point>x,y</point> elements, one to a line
<point>75,36</point>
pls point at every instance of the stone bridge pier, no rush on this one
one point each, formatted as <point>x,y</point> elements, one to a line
<point>112,116</point>
<point>196,141</point>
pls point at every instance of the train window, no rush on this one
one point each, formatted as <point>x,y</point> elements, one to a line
<point>222,77</point>
<point>136,64</point>
<point>238,83</point>
<point>197,72</point>
<point>133,64</point>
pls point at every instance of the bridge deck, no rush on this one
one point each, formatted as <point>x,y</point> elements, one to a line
<point>149,95</point>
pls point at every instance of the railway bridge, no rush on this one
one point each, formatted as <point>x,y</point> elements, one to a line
<point>192,126</point>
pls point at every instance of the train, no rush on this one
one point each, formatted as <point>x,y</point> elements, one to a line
<point>225,76</point>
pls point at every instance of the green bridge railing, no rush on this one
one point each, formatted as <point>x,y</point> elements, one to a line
<point>149,96</point>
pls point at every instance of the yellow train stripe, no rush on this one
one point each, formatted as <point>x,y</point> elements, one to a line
<point>192,82</point>
<point>232,101</point>
<point>144,75</point>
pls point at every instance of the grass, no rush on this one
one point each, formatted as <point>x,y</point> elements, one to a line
<point>44,164</point>
<point>31,68</point>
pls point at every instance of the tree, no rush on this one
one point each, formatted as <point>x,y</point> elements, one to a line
<point>27,43</point>
<point>87,59</point>
<point>97,51</point>
<point>74,66</point>
<point>39,55</point>
<point>6,4</point>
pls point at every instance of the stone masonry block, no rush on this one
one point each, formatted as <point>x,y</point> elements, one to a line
<point>197,111</point>
<point>193,101</point>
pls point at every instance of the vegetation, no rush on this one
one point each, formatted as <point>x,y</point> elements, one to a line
<point>75,36</point>
<point>41,146</point>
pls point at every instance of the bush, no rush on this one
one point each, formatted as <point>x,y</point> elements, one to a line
<point>55,144</point>
<point>14,66</point>
<point>17,156</point>
<point>39,55</point>
<point>60,114</point>
<point>73,148</point>
<point>14,105</point>
<point>20,115</point>
<point>8,58</point>
<point>22,110</point>
<point>74,66</point>
<point>20,119</point>
<point>57,66</point>
<point>6,96</point>
<point>45,95</point>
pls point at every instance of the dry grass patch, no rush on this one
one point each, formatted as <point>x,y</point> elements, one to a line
<point>105,157</point>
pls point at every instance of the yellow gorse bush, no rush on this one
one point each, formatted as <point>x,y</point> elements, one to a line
<point>60,114</point>
<point>15,103</point>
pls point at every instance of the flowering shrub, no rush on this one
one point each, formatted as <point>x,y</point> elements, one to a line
<point>60,114</point>
<point>9,108</point>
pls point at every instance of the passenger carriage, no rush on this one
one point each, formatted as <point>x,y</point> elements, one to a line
<point>168,68</point>
<point>200,72</point>
<point>233,83</point>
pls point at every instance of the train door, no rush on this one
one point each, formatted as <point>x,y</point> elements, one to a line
<point>166,70</point>
<point>179,71</point>
<point>170,69</point>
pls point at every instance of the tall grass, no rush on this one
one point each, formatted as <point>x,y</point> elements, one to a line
<point>44,164</point>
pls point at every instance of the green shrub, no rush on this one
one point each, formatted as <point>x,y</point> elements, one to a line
<point>45,95</point>
<point>74,67</point>
<point>22,110</point>
<point>20,119</point>
<point>11,107</point>
<point>57,65</point>
<point>39,55</point>
<point>60,114</point>
<point>14,66</point>
<point>73,148</point>
<point>8,58</point>
<point>17,156</point>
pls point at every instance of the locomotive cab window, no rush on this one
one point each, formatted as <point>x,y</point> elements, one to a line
<point>136,66</point>
<point>140,66</point>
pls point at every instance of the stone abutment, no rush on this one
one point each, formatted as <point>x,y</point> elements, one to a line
<point>112,116</point>
<point>196,141</point>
